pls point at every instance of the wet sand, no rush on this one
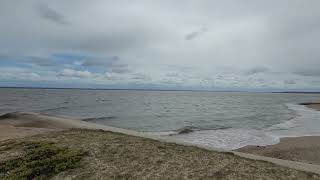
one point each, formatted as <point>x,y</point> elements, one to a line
<point>302,149</point>
<point>315,106</point>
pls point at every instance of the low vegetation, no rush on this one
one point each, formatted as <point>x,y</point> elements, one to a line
<point>109,155</point>
<point>37,160</point>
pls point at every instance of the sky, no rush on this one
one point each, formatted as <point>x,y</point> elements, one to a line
<point>167,44</point>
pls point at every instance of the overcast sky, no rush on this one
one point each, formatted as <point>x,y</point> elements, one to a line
<point>167,44</point>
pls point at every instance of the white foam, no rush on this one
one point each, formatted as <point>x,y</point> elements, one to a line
<point>228,139</point>
<point>161,133</point>
<point>307,122</point>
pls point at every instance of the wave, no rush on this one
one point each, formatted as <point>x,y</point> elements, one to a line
<point>228,139</point>
<point>186,130</point>
<point>306,122</point>
<point>99,118</point>
<point>54,109</point>
<point>308,103</point>
<point>190,129</point>
<point>103,100</point>
<point>289,123</point>
<point>11,115</point>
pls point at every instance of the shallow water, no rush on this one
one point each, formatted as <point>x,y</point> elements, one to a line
<point>222,120</point>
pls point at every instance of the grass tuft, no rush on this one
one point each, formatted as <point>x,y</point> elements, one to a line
<point>40,160</point>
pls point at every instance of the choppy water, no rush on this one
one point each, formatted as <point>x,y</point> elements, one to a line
<point>222,120</point>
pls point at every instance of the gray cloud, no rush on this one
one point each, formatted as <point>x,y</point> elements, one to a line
<point>290,82</point>
<point>310,72</point>
<point>112,64</point>
<point>195,34</point>
<point>93,61</point>
<point>51,15</point>
<point>172,75</point>
<point>256,70</point>
<point>29,60</point>
<point>40,61</point>
<point>140,76</point>
<point>120,68</point>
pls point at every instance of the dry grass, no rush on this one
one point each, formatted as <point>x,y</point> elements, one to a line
<point>118,156</point>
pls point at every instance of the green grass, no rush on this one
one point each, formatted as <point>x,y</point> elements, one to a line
<point>39,160</point>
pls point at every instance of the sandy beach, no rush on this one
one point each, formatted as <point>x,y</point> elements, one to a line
<point>153,158</point>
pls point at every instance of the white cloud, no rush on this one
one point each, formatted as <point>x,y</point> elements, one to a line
<point>77,74</point>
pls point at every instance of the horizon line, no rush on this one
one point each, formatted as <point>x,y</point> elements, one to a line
<point>146,89</point>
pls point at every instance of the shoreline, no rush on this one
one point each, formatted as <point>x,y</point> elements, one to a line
<point>312,105</point>
<point>300,148</point>
<point>304,149</point>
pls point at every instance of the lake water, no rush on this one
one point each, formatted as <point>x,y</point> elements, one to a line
<point>221,120</point>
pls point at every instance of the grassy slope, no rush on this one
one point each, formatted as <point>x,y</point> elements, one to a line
<point>118,156</point>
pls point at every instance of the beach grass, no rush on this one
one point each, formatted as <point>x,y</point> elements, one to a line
<point>97,154</point>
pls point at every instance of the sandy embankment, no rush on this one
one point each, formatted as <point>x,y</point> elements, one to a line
<point>303,149</point>
<point>22,124</point>
<point>17,125</point>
